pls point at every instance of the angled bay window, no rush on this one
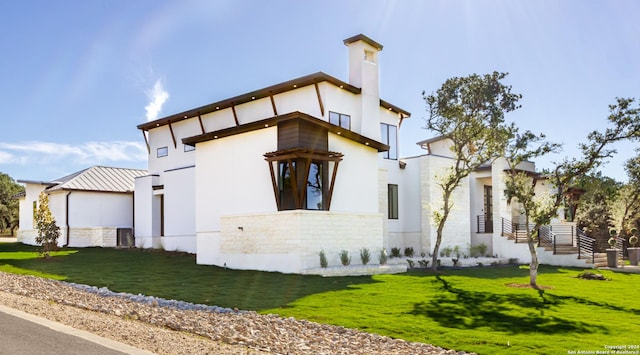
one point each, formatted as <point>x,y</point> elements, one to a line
<point>389,134</point>
<point>302,180</point>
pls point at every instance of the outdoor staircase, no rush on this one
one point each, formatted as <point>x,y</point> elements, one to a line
<point>558,239</point>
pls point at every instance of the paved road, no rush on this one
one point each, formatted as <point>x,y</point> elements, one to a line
<point>22,333</point>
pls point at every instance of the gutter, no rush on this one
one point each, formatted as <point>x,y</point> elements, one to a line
<point>66,244</point>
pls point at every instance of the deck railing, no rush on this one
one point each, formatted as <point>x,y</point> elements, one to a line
<point>483,224</point>
<point>586,245</point>
<point>547,238</point>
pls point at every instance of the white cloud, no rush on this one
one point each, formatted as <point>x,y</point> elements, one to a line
<point>157,97</point>
<point>89,153</point>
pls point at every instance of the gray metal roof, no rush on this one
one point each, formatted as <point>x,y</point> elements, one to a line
<point>99,178</point>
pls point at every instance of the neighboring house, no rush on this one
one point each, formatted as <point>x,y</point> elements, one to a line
<point>92,207</point>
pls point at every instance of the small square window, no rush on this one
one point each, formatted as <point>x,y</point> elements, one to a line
<point>163,152</point>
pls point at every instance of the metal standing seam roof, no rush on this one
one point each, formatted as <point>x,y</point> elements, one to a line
<point>99,178</point>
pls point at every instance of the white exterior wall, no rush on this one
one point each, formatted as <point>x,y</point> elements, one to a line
<point>478,181</point>
<point>457,226</point>
<point>290,241</point>
<point>356,186</point>
<point>179,210</point>
<point>232,177</point>
<point>147,212</point>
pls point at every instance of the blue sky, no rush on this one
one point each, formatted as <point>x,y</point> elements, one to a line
<point>76,77</point>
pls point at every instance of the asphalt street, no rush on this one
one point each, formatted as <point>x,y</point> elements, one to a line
<point>22,333</point>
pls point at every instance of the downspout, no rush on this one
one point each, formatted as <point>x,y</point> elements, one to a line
<point>66,244</point>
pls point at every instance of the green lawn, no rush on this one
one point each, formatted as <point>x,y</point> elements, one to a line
<point>475,309</point>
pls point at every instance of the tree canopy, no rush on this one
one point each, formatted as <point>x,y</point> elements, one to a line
<point>9,211</point>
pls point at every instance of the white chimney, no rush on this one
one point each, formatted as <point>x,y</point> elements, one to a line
<point>363,73</point>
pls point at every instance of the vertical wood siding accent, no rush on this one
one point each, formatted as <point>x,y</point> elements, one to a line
<point>300,134</point>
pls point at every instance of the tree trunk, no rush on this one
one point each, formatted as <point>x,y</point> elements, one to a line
<point>445,214</point>
<point>533,268</point>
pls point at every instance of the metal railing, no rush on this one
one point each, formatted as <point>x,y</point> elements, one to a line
<point>547,238</point>
<point>515,230</point>
<point>586,245</point>
<point>565,230</point>
<point>483,224</point>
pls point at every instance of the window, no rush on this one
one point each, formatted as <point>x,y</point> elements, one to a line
<point>392,192</point>
<point>163,152</point>
<point>294,191</point>
<point>35,211</point>
<point>340,119</point>
<point>189,148</point>
<point>389,134</point>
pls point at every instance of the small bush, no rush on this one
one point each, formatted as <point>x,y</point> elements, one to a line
<point>478,250</point>
<point>457,252</point>
<point>513,261</point>
<point>446,252</point>
<point>423,263</point>
<point>345,259</point>
<point>411,263</point>
<point>395,252</point>
<point>455,261</point>
<point>323,259</point>
<point>382,257</point>
<point>365,256</point>
<point>408,252</point>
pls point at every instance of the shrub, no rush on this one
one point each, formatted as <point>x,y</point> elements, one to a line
<point>513,261</point>
<point>48,230</point>
<point>411,263</point>
<point>424,263</point>
<point>382,257</point>
<point>478,250</point>
<point>395,252</point>
<point>365,256</point>
<point>633,240</point>
<point>446,252</point>
<point>456,252</point>
<point>323,259</point>
<point>408,252</point>
<point>345,259</point>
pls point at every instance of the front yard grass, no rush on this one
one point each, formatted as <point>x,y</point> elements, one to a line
<point>484,310</point>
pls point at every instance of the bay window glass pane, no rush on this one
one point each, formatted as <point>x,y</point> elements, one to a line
<point>314,187</point>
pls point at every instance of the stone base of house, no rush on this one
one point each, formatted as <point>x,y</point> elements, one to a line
<point>289,241</point>
<point>78,237</point>
<point>356,270</point>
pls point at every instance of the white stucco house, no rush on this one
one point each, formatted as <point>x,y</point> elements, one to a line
<point>92,207</point>
<point>267,179</point>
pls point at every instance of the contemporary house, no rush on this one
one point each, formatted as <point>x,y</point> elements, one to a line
<point>92,207</point>
<point>267,179</point>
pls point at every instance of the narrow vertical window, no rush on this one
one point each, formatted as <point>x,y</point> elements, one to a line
<point>314,187</point>
<point>392,191</point>
<point>389,135</point>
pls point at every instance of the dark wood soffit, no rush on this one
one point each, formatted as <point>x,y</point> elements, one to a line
<point>274,121</point>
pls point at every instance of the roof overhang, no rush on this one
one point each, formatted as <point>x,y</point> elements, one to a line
<point>263,93</point>
<point>274,121</point>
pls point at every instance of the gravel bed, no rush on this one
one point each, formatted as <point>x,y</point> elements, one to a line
<point>176,327</point>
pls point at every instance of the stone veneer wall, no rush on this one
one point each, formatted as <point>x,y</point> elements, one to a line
<point>78,237</point>
<point>290,241</point>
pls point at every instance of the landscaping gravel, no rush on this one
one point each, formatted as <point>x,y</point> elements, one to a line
<point>176,327</point>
